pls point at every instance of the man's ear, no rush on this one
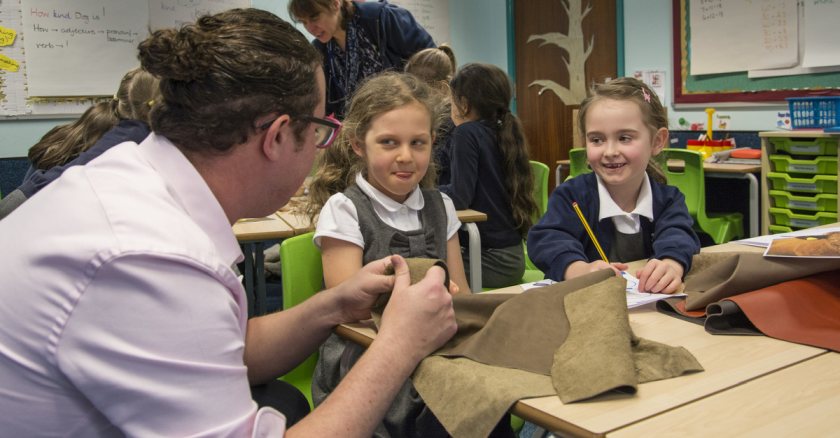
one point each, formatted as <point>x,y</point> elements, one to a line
<point>278,133</point>
<point>357,147</point>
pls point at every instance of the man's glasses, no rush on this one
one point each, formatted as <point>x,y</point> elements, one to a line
<point>326,129</point>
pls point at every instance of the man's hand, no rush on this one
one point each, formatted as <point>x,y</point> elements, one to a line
<point>357,294</point>
<point>419,318</point>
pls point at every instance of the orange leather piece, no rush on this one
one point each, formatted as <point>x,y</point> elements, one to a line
<point>805,311</point>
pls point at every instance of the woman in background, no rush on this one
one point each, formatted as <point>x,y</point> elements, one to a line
<point>358,39</point>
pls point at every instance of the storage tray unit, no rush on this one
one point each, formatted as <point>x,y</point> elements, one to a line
<point>819,165</point>
<point>783,216</point>
<point>814,184</point>
<point>820,202</point>
<point>799,174</point>
<point>801,146</point>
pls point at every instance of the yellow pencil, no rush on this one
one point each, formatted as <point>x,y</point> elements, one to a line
<point>589,230</point>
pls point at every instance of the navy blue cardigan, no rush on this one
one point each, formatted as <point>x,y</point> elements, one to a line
<point>125,130</point>
<point>394,31</point>
<point>477,181</point>
<point>560,239</point>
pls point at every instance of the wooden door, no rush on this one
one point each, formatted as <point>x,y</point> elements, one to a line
<point>561,46</point>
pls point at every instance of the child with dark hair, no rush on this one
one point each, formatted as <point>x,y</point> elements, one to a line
<point>491,171</point>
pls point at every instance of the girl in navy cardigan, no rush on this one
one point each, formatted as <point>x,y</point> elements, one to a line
<point>626,201</point>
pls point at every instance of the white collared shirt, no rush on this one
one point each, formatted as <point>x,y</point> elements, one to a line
<point>120,313</point>
<point>626,223</point>
<point>339,220</point>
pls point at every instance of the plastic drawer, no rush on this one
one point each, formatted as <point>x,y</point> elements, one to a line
<point>778,229</point>
<point>805,146</point>
<point>822,202</point>
<point>783,216</point>
<point>819,165</point>
<point>814,184</point>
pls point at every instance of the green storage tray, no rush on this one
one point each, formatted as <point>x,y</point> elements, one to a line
<point>778,229</point>
<point>783,216</point>
<point>814,184</point>
<point>819,165</point>
<point>822,202</point>
<point>805,146</point>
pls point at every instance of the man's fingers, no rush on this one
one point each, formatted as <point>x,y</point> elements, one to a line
<point>402,278</point>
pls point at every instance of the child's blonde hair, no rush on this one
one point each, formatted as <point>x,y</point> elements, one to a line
<point>138,92</point>
<point>338,165</point>
<point>435,65</point>
<point>634,90</point>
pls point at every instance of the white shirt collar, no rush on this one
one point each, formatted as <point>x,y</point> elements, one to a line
<point>414,201</point>
<point>627,223</point>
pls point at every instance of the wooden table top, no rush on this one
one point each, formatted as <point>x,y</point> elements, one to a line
<point>287,223</point>
<point>732,364</point>
<point>264,228</point>
<point>708,167</point>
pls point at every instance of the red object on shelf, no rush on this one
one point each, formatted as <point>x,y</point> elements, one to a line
<point>746,153</point>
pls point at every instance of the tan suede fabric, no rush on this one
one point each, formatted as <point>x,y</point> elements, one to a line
<point>601,352</point>
<point>576,331</point>
<point>417,268</point>
<point>715,276</point>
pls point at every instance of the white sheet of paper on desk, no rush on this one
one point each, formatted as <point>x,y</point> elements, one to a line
<point>764,241</point>
<point>634,297</point>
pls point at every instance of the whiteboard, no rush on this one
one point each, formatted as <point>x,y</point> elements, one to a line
<point>61,56</point>
<point>739,35</point>
<point>433,15</point>
<point>81,48</point>
<point>175,13</point>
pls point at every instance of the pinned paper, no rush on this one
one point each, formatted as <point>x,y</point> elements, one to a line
<point>632,282</point>
<point>8,64</point>
<point>7,36</point>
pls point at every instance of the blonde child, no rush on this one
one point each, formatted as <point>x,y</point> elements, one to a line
<point>372,193</point>
<point>490,170</point>
<point>436,66</point>
<point>625,200</point>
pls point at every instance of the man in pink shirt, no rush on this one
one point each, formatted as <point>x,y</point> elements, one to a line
<point>120,312</point>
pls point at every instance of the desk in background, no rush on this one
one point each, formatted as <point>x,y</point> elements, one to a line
<point>713,170</point>
<point>468,218</point>
<point>253,233</point>
<point>750,383</point>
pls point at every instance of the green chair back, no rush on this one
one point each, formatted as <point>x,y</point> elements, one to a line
<point>722,227</point>
<point>540,174</point>
<point>302,277</point>
<point>577,162</point>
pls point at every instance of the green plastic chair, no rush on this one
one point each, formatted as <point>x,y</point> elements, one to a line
<point>540,173</point>
<point>577,162</point>
<point>722,227</point>
<point>303,277</point>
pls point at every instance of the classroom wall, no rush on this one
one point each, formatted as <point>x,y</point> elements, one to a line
<point>478,34</point>
<point>647,46</point>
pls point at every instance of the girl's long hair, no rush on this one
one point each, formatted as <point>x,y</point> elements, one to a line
<point>486,90</point>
